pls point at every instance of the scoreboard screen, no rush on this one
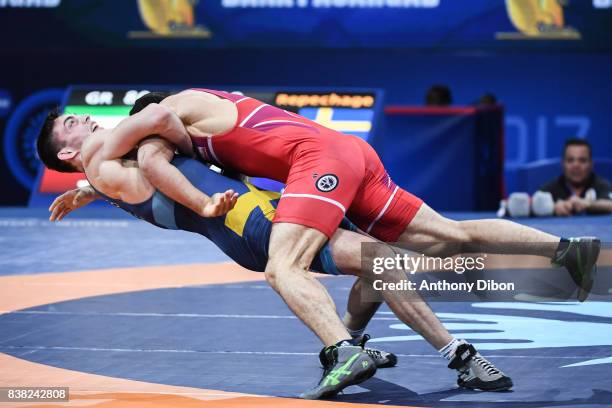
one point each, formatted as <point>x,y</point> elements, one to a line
<point>352,111</point>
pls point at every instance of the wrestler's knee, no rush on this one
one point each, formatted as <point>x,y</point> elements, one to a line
<point>372,255</point>
<point>282,266</point>
<point>274,268</point>
<point>291,251</point>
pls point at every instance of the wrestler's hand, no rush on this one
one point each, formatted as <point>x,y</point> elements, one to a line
<point>71,200</point>
<point>219,204</point>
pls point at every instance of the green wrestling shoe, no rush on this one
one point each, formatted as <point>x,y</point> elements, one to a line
<point>579,257</point>
<point>343,365</point>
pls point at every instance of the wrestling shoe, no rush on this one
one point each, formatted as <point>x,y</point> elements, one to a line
<point>579,257</point>
<point>382,359</point>
<point>343,365</point>
<point>476,373</point>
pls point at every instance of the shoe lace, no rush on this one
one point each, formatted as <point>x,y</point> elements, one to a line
<point>376,354</point>
<point>486,365</point>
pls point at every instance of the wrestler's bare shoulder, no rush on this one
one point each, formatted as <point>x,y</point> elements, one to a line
<point>203,114</point>
<point>199,98</point>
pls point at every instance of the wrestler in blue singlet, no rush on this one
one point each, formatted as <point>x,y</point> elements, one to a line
<point>243,234</point>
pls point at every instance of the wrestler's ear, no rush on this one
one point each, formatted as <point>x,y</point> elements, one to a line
<point>67,153</point>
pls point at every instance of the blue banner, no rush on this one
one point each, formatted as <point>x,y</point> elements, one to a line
<point>494,25</point>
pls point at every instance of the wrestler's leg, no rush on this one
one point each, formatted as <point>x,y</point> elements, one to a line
<point>292,248</point>
<point>319,188</point>
<point>408,306</point>
<point>430,233</point>
<point>451,237</point>
<point>359,311</point>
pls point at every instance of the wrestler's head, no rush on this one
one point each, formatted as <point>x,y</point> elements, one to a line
<point>60,140</point>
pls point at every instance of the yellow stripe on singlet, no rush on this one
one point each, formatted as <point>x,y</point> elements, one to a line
<point>237,218</point>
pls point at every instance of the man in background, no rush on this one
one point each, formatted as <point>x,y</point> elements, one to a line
<point>579,189</point>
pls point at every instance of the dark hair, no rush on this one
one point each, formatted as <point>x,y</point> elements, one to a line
<point>48,147</point>
<point>151,97</point>
<point>576,142</point>
<point>438,95</point>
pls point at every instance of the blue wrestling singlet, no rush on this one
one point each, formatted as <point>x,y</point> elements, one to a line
<point>243,234</point>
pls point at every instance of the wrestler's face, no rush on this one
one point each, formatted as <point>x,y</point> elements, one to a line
<point>70,130</point>
<point>577,164</point>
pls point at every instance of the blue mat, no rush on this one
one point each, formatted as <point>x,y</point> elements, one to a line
<point>225,336</point>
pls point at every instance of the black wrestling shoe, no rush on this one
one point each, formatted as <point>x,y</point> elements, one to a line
<point>382,359</point>
<point>343,365</point>
<point>476,372</point>
<point>579,257</point>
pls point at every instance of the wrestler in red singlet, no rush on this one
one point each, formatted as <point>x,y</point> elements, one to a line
<point>327,174</point>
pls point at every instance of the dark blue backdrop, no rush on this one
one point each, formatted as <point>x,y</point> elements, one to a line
<point>423,24</point>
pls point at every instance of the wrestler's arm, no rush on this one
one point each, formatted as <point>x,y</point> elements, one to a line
<point>153,120</point>
<point>202,114</point>
<point>154,156</point>
<point>175,119</point>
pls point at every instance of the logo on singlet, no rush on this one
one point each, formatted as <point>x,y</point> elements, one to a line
<point>327,183</point>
